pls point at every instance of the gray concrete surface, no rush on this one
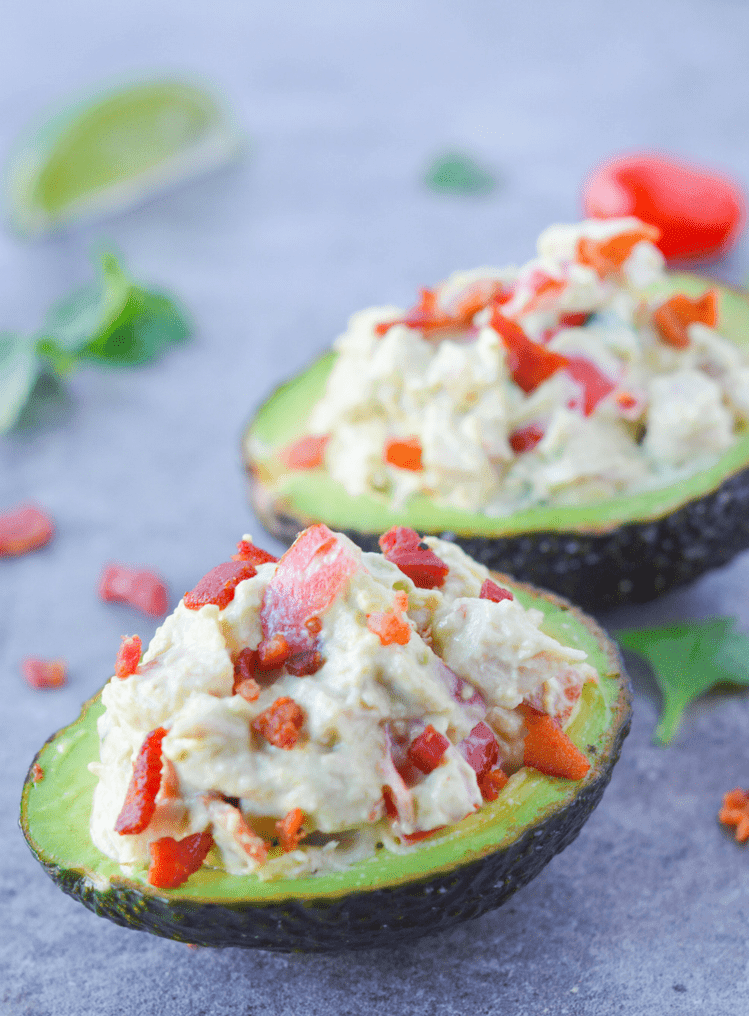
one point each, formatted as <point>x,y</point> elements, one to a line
<point>344,105</point>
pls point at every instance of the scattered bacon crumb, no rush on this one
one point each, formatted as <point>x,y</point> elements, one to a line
<point>226,816</point>
<point>217,586</point>
<point>37,773</point>
<point>140,799</point>
<point>128,656</point>
<point>289,829</point>
<point>142,589</point>
<point>173,861</point>
<point>313,625</point>
<point>44,673</point>
<point>491,591</point>
<point>249,689</point>
<point>169,786</point>
<point>247,551</point>
<point>735,812</point>
<point>529,362</point>
<point>606,257</point>
<point>431,319</point>
<point>280,723</point>
<point>405,453</point>
<point>23,529</point>
<point>306,453</point>
<point>303,664</point>
<point>673,317</point>
<point>389,625</point>
<point>273,652</point>
<point>491,783</point>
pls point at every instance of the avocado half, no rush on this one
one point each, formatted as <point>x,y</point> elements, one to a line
<point>627,549</point>
<point>458,873</point>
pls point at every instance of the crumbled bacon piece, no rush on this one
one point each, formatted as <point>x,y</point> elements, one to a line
<point>735,812</point>
<point>313,625</point>
<point>169,785</point>
<point>37,773</point>
<point>173,861</point>
<point>289,829</point>
<point>142,589</point>
<point>218,585</point>
<point>128,656</point>
<point>405,549</point>
<point>432,319</point>
<point>306,453</point>
<point>280,723</point>
<point>273,652</point>
<point>491,591</point>
<point>405,453</point>
<point>526,438</point>
<point>529,362</point>
<point>606,257</point>
<point>224,815</point>
<point>304,664</point>
<point>390,625</point>
<point>426,751</point>
<point>673,317</point>
<point>44,673</point>
<point>574,320</point>
<point>23,529</point>
<point>247,551</point>
<point>140,799</point>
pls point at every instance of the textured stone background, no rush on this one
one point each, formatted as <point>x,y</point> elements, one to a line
<point>344,105</point>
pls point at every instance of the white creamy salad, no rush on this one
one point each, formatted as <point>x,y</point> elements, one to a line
<point>312,710</point>
<point>560,382</point>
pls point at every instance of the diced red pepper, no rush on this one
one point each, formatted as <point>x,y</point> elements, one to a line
<point>219,584</point>
<point>526,438</point>
<point>735,812</point>
<point>574,320</point>
<point>247,551</point>
<point>141,588</point>
<point>43,674</point>
<point>530,363</point>
<point>426,750</point>
<point>491,783</point>
<point>128,656</point>
<point>548,749</point>
<point>289,829</point>
<point>23,529</point>
<point>431,319</point>
<point>673,317</point>
<point>405,549</point>
<point>404,453</point>
<point>606,257</point>
<point>480,749</point>
<point>700,213</point>
<point>280,723</point>
<point>596,386</point>
<point>307,452</point>
<point>173,861</point>
<point>491,591</point>
<point>390,625</point>
<point>140,799</point>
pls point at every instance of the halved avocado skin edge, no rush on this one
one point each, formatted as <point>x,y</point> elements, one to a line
<point>361,919</point>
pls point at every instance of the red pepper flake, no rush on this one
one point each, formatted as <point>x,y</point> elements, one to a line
<point>426,750</point>
<point>37,773</point>
<point>280,723</point>
<point>491,591</point>
<point>526,438</point>
<point>23,529</point>
<point>289,829</point>
<point>140,799</point>
<point>491,783</point>
<point>735,812</point>
<point>404,548</point>
<point>128,656</point>
<point>530,363</point>
<point>173,861</point>
<point>390,625</point>
<point>218,585</point>
<point>548,749</point>
<point>142,589</point>
<point>306,453</point>
<point>44,674</point>
<point>674,316</point>
<point>606,257</point>
<point>247,551</point>
<point>405,453</point>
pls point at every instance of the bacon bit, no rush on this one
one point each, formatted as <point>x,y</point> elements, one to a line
<point>431,319</point>
<point>404,548</point>
<point>735,812</point>
<point>218,585</point>
<point>140,799</point>
<point>626,401</point>
<point>606,257</point>
<point>169,786</point>
<point>247,551</point>
<point>491,783</point>
<point>128,656</point>
<point>525,439</point>
<point>390,625</point>
<point>480,749</point>
<point>574,320</point>
<point>249,689</point>
<point>304,664</point>
<point>426,751</point>
<point>280,723</point>
<point>173,861</point>
<point>405,453</point>
<point>530,363</point>
<point>23,529</point>
<point>673,317</point>
<point>306,453</point>
<point>491,591</point>
<point>595,384</point>
<point>142,589</point>
<point>289,829</point>
<point>548,749</point>
<point>37,773</point>
<point>43,674</point>
<point>273,652</point>
<point>417,837</point>
<point>313,625</point>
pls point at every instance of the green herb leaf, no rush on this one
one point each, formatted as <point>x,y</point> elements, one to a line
<point>459,174</point>
<point>689,658</point>
<point>19,369</point>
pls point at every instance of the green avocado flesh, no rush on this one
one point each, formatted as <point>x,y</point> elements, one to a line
<point>378,901</point>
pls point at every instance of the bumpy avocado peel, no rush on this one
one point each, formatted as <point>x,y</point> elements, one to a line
<point>463,872</point>
<point>624,550</point>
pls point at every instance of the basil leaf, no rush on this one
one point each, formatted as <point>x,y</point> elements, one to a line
<point>460,174</point>
<point>19,369</point>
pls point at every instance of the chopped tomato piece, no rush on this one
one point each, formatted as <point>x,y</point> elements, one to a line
<point>491,591</point>
<point>140,799</point>
<point>480,749</point>
<point>426,750</point>
<point>491,783</point>
<point>128,656</point>
<point>548,749</point>
<point>430,318</point>
<point>404,453</point>
<point>405,549</point>
<point>735,812</point>
<point>37,773</point>
<point>280,723</point>
<point>606,257</point>
<point>673,317</point>
<point>525,439</point>
<point>42,674</point>
<point>530,363</point>
<point>289,829</point>
<point>142,589</point>
<point>596,386</point>
<point>390,625</point>
<point>247,551</point>
<point>306,453</point>
<point>218,585</point>
<point>23,529</point>
<point>173,861</point>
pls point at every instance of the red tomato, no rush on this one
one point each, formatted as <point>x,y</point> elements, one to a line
<point>699,213</point>
<point>426,751</point>
<point>403,547</point>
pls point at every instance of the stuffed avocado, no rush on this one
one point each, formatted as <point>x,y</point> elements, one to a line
<point>580,422</point>
<point>450,732</point>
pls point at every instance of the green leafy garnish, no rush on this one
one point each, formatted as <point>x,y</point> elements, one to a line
<point>459,173</point>
<point>688,658</point>
<point>111,322</point>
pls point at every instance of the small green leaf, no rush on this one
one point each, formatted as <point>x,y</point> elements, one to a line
<point>460,174</point>
<point>689,658</point>
<point>19,369</point>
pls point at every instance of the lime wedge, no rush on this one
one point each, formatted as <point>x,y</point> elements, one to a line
<point>114,150</point>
